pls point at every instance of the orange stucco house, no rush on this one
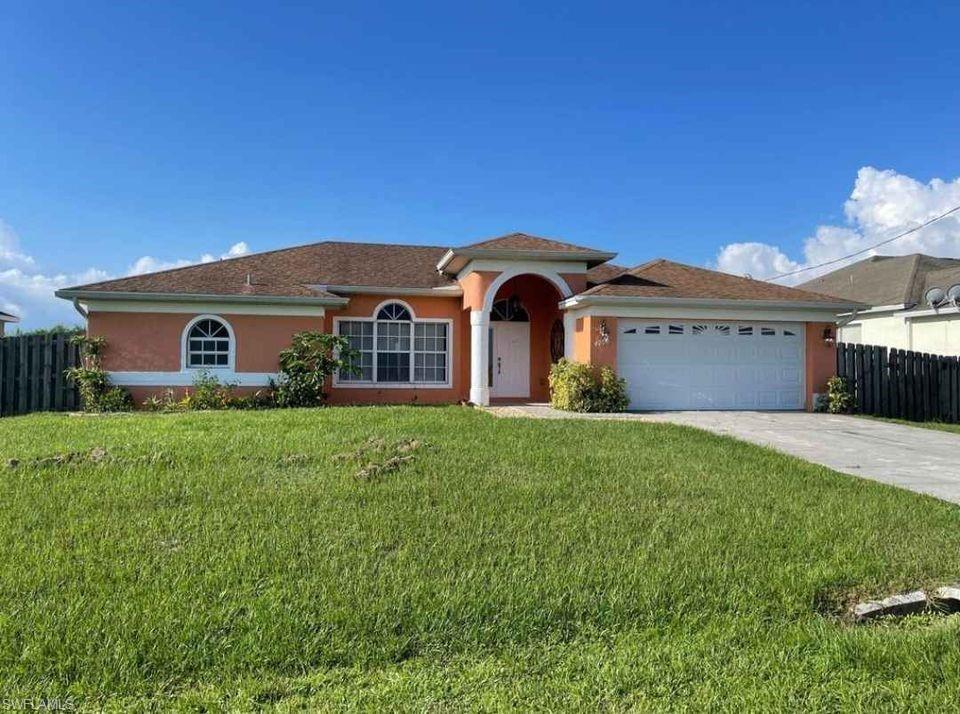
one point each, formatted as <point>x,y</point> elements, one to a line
<point>479,323</point>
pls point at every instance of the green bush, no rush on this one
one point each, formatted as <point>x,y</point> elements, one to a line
<point>577,387</point>
<point>96,392</point>
<point>306,365</point>
<point>840,400</point>
<point>207,394</point>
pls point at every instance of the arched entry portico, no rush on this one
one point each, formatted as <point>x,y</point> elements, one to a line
<point>539,292</point>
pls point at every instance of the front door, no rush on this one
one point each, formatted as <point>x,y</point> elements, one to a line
<point>511,359</point>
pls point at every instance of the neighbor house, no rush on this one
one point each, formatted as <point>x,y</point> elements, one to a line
<point>912,302</point>
<point>6,317</point>
<point>478,323</point>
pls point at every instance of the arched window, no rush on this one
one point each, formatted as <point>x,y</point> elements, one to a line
<point>209,344</point>
<point>509,310</point>
<point>394,311</point>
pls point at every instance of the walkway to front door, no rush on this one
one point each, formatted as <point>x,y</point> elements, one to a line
<point>914,458</point>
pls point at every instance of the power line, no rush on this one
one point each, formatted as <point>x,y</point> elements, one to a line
<point>869,248</point>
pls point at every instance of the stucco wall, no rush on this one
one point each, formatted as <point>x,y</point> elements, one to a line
<point>886,329</point>
<point>151,342</point>
<point>591,346</point>
<point>938,334</point>
<point>821,359</point>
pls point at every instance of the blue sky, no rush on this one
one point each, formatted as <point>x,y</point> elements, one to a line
<point>173,130</point>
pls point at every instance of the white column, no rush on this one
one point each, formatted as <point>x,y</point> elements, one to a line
<point>569,325</point>
<point>479,356</point>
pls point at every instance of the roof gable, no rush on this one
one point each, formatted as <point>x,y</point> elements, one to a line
<point>526,242</point>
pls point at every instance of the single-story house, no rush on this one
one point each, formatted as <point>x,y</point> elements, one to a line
<point>478,323</point>
<point>6,317</point>
<point>912,302</point>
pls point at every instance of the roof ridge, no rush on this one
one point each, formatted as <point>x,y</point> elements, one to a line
<point>648,264</point>
<point>911,281</point>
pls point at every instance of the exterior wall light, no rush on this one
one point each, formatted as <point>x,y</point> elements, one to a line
<point>603,334</point>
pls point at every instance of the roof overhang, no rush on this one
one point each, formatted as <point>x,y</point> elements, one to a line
<point>950,311</point>
<point>578,301</point>
<point>107,295</point>
<point>443,291</point>
<point>883,309</point>
<point>7,317</point>
<point>454,260</point>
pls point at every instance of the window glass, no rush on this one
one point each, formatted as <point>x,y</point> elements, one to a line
<point>430,352</point>
<point>397,351</point>
<point>360,337</point>
<point>208,345</point>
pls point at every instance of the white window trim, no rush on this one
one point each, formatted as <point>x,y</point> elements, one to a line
<point>219,372</point>
<point>341,384</point>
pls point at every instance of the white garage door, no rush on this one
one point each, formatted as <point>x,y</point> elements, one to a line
<point>711,365</point>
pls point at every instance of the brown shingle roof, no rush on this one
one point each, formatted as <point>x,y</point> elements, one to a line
<point>289,272</point>
<point>666,279</point>
<point>886,279</point>
<point>604,272</point>
<point>523,241</point>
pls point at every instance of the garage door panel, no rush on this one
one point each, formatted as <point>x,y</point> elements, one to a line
<point>711,365</point>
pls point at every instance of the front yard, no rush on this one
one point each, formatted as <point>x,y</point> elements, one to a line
<point>398,558</point>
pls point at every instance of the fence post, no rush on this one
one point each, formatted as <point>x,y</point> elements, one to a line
<point>866,399</point>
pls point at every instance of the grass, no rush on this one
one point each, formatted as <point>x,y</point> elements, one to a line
<point>935,425</point>
<point>235,561</point>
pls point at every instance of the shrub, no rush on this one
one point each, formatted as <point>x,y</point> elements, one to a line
<point>611,392</point>
<point>577,387</point>
<point>840,400</point>
<point>821,404</point>
<point>208,393</point>
<point>306,365</point>
<point>96,392</point>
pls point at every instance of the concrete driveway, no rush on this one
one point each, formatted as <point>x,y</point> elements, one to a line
<point>922,460</point>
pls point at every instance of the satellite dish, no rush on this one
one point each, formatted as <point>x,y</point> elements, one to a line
<point>953,294</point>
<point>934,296</point>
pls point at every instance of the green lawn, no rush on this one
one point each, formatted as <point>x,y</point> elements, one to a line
<point>235,560</point>
<point>936,425</point>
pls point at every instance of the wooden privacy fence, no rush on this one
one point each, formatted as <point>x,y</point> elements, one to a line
<point>32,374</point>
<point>900,383</point>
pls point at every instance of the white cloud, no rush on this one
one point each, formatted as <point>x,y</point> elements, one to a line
<point>10,255</point>
<point>28,292</point>
<point>149,264</point>
<point>881,205</point>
